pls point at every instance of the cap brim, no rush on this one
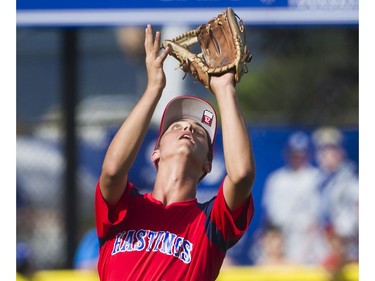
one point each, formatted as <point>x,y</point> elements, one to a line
<point>189,107</point>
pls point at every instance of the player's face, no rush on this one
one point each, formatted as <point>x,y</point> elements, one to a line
<point>186,137</point>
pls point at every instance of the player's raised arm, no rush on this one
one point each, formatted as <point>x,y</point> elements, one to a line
<point>125,145</point>
<point>238,152</point>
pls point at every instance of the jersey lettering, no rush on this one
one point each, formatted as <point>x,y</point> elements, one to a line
<point>151,237</point>
<point>166,247</point>
<point>127,245</point>
<point>160,234</point>
<point>140,243</point>
<point>156,241</point>
<point>177,246</point>
<point>185,254</point>
<point>116,246</point>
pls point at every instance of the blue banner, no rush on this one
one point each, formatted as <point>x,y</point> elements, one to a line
<point>144,4</point>
<point>184,12</point>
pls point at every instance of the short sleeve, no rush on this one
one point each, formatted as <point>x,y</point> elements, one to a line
<point>232,224</point>
<point>106,217</point>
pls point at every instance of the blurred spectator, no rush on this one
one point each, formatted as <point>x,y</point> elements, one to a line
<point>24,267</point>
<point>290,201</point>
<point>272,248</point>
<point>87,253</point>
<point>335,259</point>
<point>339,190</point>
<point>23,258</point>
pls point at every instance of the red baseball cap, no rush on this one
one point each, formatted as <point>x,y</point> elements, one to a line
<point>189,107</point>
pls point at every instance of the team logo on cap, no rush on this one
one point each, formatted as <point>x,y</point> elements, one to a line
<point>207,117</point>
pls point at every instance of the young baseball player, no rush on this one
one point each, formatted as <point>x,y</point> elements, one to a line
<point>166,234</point>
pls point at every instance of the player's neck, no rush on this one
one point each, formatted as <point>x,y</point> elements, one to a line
<point>174,185</point>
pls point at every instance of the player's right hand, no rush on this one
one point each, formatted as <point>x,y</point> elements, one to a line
<point>154,60</point>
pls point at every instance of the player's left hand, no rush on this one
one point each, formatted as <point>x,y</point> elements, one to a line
<point>222,82</point>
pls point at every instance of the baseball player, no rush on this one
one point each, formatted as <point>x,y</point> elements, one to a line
<point>166,234</point>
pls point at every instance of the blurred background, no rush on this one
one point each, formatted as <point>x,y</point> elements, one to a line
<point>80,70</point>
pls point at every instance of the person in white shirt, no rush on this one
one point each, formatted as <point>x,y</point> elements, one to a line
<point>339,190</point>
<point>290,201</point>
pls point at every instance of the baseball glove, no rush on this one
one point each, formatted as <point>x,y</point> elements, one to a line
<point>223,48</point>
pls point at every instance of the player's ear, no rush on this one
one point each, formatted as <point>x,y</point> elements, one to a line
<point>155,156</point>
<point>207,166</point>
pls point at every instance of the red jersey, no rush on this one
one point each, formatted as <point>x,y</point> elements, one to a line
<point>141,239</point>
